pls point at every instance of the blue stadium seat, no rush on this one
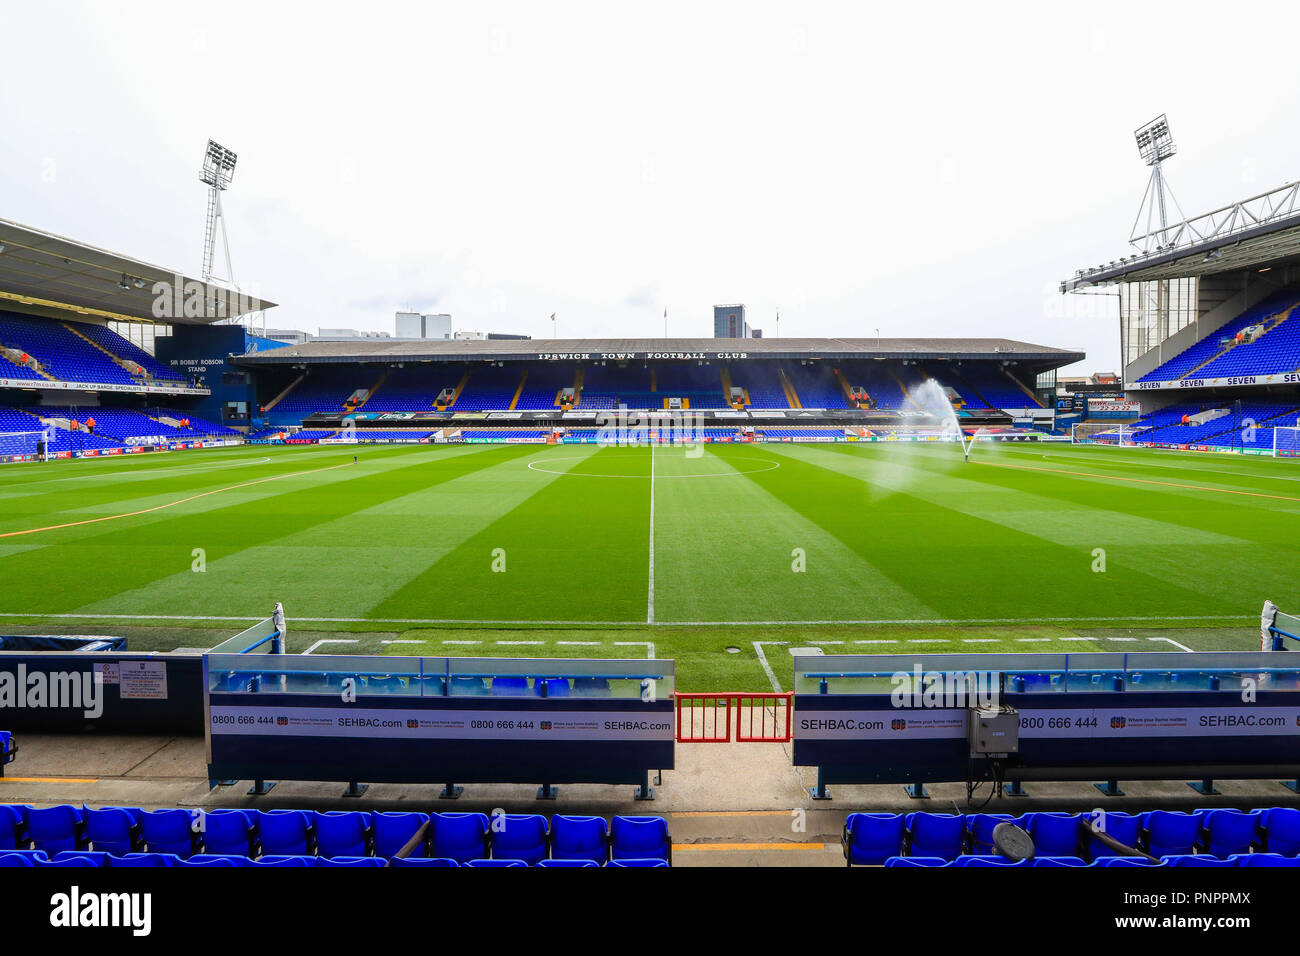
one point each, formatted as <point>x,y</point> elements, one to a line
<point>1054,834</point>
<point>284,832</point>
<point>209,859</point>
<point>8,749</point>
<point>486,864</point>
<point>229,832</point>
<point>342,832</point>
<point>351,861</point>
<point>579,838</point>
<point>169,831</point>
<point>12,827</point>
<point>640,838</point>
<point>421,861</point>
<point>1228,832</point>
<point>1266,859</point>
<point>566,863</point>
<point>145,860</point>
<point>393,830</point>
<point>55,828</point>
<point>1058,861</point>
<point>591,687</point>
<point>1124,827</point>
<point>518,837</point>
<point>922,861</point>
<point>1200,859</point>
<point>19,858</point>
<point>935,834</point>
<point>872,838</point>
<point>217,859</point>
<point>114,830</point>
<point>551,687</point>
<point>988,861</point>
<point>1280,830</point>
<point>459,836</point>
<point>285,860</point>
<point>80,858</point>
<point>509,686</point>
<point>1170,832</point>
<point>979,830</point>
<point>636,862</point>
<point>1124,861</point>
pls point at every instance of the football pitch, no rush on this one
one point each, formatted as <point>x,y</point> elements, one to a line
<point>724,557</point>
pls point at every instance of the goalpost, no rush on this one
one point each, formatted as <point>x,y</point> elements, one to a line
<point>1286,441</point>
<point>21,444</point>
<point>1100,433</point>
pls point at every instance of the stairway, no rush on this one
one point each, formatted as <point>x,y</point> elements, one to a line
<point>36,363</point>
<point>292,385</point>
<point>1269,324</point>
<point>133,369</point>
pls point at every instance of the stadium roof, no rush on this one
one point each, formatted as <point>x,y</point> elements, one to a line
<point>1262,231</point>
<point>51,275</point>
<point>437,350</point>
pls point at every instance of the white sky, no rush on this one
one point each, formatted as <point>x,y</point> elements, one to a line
<point>932,171</point>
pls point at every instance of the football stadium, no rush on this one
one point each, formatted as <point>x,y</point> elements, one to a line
<point>493,601</point>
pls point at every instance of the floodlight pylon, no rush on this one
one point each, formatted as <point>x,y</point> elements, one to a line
<point>1155,144</point>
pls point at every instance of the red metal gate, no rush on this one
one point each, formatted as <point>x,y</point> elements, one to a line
<point>757,718</point>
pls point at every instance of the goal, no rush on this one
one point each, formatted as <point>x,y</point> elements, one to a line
<point>1100,433</point>
<point>1286,442</point>
<point>20,444</point>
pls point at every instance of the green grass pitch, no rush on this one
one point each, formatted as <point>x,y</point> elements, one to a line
<point>723,557</point>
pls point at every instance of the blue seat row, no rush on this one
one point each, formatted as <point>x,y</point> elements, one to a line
<point>353,833</point>
<point>8,749</point>
<point>873,838</point>
<point>1185,860</point>
<point>90,858</point>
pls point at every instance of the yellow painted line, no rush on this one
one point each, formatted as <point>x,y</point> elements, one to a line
<point>49,780</point>
<point>170,504</point>
<point>680,847</point>
<point>729,813</point>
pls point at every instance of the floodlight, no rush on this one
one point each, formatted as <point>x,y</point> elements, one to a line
<point>1154,141</point>
<point>218,166</point>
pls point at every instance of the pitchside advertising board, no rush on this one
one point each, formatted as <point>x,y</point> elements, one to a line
<point>865,739</point>
<point>435,739</point>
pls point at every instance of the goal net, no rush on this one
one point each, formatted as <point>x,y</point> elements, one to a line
<point>1101,433</point>
<point>1286,442</point>
<point>19,444</point>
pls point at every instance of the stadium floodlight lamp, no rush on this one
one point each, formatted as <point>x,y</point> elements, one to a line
<point>218,165</point>
<point>1154,141</point>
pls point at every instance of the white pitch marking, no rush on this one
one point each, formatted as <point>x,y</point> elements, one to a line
<point>876,642</point>
<point>650,591</point>
<point>468,643</point>
<point>762,660</point>
<point>648,645</point>
<point>399,640</point>
<point>1170,640</point>
<point>925,640</point>
<point>1074,638</point>
<point>331,640</point>
<point>577,643</point>
<point>1121,638</point>
<point>519,643</point>
<point>1034,640</point>
<point>819,643</point>
<point>979,640</point>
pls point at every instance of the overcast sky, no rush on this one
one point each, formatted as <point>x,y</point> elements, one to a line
<point>929,171</point>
